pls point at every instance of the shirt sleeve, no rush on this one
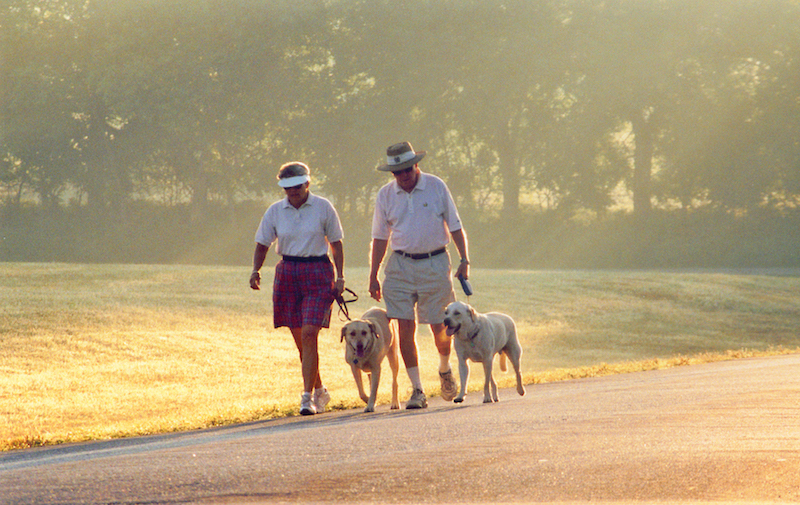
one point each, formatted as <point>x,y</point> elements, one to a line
<point>451,217</point>
<point>380,225</point>
<point>333,225</point>
<point>267,231</point>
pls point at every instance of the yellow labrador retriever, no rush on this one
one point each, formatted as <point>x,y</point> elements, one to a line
<point>369,340</point>
<point>478,337</point>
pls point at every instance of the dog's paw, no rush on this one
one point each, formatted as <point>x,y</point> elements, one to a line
<point>369,409</point>
<point>395,406</point>
<point>458,399</point>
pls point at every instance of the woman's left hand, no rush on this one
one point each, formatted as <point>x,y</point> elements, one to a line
<point>338,287</point>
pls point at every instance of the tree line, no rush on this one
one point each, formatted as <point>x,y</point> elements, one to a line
<point>615,133</point>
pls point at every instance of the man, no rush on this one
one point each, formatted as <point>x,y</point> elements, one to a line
<point>416,216</point>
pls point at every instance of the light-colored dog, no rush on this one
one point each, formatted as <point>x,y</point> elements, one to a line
<point>478,337</point>
<point>369,340</point>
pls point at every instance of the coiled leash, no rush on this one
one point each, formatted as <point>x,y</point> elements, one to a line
<point>466,286</point>
<point>343,304</point>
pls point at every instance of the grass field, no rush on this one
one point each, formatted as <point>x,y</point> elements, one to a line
<point>102,351</point>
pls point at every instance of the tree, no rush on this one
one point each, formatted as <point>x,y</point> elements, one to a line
<point>38,117</point>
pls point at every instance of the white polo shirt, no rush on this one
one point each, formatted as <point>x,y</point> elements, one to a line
<point>306,231</point>
<point>417,222</point>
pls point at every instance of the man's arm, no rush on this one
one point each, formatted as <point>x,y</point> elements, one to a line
<point>460,240</point>
<point>376,257</point>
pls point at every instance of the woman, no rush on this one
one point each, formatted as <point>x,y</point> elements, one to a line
<point>304,225</point>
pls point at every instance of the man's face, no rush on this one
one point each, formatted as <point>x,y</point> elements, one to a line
<point>407,178</point>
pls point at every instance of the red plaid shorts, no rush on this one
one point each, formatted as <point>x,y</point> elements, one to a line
<point>302,294</point>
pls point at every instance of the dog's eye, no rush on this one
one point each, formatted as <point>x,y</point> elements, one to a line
<point>363,332</point>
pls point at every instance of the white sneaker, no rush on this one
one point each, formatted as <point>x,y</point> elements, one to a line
<point>321,399</point>
<point>418,400</point>
<point>306,405</point>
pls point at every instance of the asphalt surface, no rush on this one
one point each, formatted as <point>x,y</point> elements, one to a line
<point>726,431</point>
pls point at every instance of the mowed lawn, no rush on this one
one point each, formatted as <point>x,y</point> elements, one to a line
<point>101,351</point>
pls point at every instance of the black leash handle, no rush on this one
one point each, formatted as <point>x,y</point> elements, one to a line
<point>343,304</point>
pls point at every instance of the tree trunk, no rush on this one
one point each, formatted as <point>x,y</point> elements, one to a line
<point>642,164</point>
<point>509,170</point>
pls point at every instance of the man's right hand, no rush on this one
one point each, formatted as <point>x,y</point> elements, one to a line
<point>375,289</point>
<point>255,281</point>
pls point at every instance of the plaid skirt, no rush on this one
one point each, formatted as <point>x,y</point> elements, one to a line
<point>302,294</point>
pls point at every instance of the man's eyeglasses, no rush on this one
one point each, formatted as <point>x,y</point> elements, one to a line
<point>404,171</point>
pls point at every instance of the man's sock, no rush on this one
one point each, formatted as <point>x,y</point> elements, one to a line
<point>413,374</point>
<point>444,363</point>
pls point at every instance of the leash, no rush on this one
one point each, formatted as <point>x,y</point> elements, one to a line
<point>343,304</point>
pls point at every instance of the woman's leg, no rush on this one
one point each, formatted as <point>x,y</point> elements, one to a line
<point>306,340</point>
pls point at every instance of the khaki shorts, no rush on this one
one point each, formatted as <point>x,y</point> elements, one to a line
<point>418,289</point>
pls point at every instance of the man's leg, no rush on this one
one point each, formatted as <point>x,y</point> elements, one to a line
<point>443,345</point>
<point>407,333</point>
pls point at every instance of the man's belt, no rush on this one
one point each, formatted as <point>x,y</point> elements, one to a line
<point>306,259</point>
<point>422,256</point>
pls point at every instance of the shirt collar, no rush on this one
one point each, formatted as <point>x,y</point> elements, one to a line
<point>308,202</point>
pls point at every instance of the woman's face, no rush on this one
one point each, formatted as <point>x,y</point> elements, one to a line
<point>297,194</point>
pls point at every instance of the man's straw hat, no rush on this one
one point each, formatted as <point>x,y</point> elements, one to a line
<point>401,156</point>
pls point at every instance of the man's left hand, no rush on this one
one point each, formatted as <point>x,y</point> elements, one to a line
<point>463,270</point>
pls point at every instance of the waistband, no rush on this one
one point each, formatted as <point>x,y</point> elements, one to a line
<point>422,256</point>
<point>307,259</point>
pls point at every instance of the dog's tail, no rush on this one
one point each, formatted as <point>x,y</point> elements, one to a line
<point>503,364</point>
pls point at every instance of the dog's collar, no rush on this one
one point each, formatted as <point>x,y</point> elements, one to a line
<point>472,337</point>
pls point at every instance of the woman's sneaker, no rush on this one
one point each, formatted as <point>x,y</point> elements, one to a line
<point>321,399</point>
<point>306,405</point>
<point>418,400</point>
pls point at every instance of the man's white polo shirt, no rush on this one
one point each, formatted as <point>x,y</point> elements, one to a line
<point>417,222</point>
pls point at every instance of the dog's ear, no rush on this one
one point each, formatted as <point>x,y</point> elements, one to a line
<point>372,328</point>
<point>471,313</point>
<point>344,329</point>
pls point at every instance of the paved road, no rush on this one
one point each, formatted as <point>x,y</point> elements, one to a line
<point>718,432</point>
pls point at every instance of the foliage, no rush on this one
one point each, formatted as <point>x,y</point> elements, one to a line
<point>552,108</point>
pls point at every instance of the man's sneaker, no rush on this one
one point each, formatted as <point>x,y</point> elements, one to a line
<point>321,399</point>
<point>306,405</point>
<point>418,400</point>
<point>449,388</point>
